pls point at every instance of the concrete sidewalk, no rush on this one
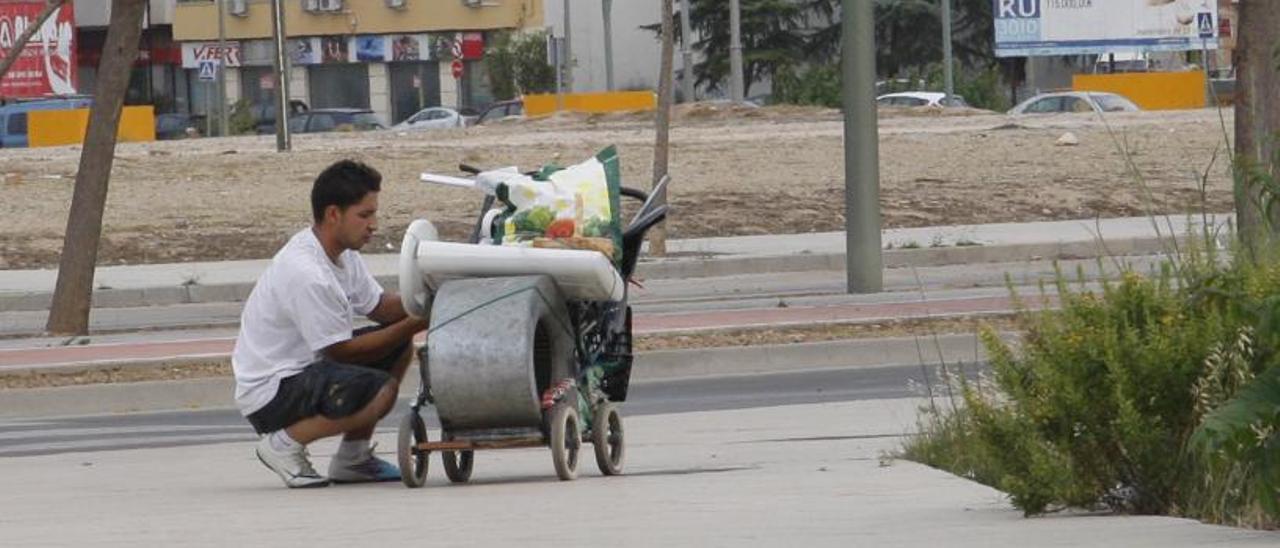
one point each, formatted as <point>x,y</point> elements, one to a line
<point>805,475</point>
<point>231,281</point>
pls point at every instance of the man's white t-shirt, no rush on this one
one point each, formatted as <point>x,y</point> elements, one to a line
<point>301,304</point>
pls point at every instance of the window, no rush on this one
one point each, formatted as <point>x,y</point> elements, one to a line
<point>365,120</point>
<point>1075,104</point>
<point>17,124</point>
<point>1113,103</point>
<point>321,122</point>
<point>1050,104</point>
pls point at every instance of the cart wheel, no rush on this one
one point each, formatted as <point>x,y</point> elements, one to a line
<point>565,441</point>
<point>457,464</point>
<point>413,461</point>
<point>607,438</point>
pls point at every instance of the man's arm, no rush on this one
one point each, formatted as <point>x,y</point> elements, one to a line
<point>390,309</point>
<point>376,344</point>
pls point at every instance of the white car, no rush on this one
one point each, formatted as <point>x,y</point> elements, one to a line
<point>920,99</point>
<point>432,118</point>
<point>1075,101</point>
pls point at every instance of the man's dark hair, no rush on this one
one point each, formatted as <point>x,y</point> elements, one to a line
<point>342,184</point>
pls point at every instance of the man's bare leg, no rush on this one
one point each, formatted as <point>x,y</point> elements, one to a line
<point>360,425</point>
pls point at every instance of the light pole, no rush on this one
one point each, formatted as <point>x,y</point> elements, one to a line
<point>947,76</point>
<point>607,9</point>
<point>735,52</point>
<point>568,52</point>
<point>280,64</point>
<point>863,262</point>
<point>222,69</point>
<point>686,81</point>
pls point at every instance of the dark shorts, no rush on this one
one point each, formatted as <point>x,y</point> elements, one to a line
<point>327,388</point>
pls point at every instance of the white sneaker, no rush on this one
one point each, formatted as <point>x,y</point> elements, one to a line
<point>292,466</point>
<point>364,468</point>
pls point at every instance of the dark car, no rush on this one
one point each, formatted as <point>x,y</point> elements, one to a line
<point>264,115</point>
<point>335,119</point>
<point>178,125</point>
<point>501,109</point>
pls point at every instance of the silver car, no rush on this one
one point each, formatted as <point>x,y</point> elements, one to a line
<point>1075,101</point>
<point>432,118</point>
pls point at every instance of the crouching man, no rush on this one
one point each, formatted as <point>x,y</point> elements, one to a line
<point>302,372</point>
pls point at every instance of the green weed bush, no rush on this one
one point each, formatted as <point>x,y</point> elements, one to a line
<point>1097,404</point>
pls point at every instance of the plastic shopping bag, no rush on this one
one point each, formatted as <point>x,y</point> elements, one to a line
<point>576,207</point>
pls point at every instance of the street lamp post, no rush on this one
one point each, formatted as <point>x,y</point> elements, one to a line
<point>735,52</point>
<point>280,64</point>
<point>947,76</point>
<point>686,54</point>
<point>223,124</point>
<point>863,261</point>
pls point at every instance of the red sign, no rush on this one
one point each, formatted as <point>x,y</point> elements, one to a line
<point>472,45</point>
<point>456,68</point>
<point>47,65</point>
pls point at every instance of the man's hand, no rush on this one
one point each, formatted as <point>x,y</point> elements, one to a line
<point>374,345</point>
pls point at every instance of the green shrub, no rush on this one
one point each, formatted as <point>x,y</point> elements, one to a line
<point>1097,406</point>
<point>518,64</point>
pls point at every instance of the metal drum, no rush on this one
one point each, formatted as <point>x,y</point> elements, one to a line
<point>495,345</point>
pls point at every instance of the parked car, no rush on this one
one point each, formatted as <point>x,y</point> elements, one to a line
<point>432,118</point>
<point>469,116</point>
<point>501,109</point>
<point>13,117</point>
<point>1075,101</point>
<point>335,119</point>
<point>264,115</point>
<point>920,99</point>
<point>178,125</point>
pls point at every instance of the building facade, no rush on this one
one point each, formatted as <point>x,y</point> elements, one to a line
<point>391,56</point>
<point>157,78</point>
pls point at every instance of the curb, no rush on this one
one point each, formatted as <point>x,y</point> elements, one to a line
<point>661,365</point>
<point>654,270</point>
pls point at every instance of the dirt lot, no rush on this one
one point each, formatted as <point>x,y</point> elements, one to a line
<point>736,172</point>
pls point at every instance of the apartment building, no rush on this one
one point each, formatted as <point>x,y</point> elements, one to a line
<point>391,56</point>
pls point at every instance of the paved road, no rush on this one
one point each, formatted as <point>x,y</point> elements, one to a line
<point>133,431</point>
<point>667,295</point>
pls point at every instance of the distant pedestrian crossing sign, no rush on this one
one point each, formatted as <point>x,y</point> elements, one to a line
<point>1204,21</point>
<point>208,70</point>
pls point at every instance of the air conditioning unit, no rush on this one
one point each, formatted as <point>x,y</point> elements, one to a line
<point>330,5</point>
<point>396,4</point>
<point>239,8</point>
<point>473,3</point>
<point>310,5</point>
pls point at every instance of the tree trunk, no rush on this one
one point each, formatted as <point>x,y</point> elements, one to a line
<point>662,148</point>
<point>21,43</point>
<point>69,313</point>
<point>1257,104</point>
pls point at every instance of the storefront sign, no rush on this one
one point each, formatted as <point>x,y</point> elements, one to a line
<point>194,52</point>
<point>47,63</point>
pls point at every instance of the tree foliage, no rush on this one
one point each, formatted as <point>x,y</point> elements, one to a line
<point>786,40</point>
<point>518,65</point>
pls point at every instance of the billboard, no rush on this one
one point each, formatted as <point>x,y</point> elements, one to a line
<point>1072,27</point>
<point>47,65</point>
